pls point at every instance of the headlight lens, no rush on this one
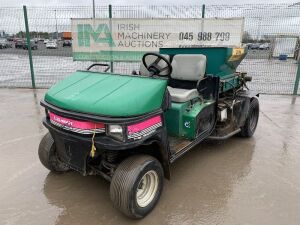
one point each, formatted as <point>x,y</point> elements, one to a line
<point>115,131</point>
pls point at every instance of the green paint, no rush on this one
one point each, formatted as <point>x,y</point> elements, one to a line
<point>110,22</point>
<point>107,94</point>
<point>81,35</point>
<point>230,81</point>
<point>173,118</point>
<point>110,11</point>
<point>181,118</point>
<point>29,46</point>
<point>203,11</point>
<point>101,34</point>
<point>296,86</point>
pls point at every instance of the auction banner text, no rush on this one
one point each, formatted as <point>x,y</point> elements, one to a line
<point>129,39</point>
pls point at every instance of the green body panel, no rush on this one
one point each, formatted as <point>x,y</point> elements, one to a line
<point>181,119</point>
<point>108,94</point>
<point>219,60</point>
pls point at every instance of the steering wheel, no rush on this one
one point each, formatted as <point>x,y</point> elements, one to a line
<point>154,68</point>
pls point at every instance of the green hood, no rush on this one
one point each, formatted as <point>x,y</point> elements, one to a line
<point>107,94</point>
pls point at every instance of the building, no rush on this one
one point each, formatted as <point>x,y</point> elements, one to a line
<point>2,33</point>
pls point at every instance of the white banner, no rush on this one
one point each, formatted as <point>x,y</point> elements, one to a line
<point>128,39</point>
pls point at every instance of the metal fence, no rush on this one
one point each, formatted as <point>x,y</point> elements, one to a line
<point>263,23</point>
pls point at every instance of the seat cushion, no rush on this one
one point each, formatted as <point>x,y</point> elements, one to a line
<point>188,67</point>
<point>182,95</point>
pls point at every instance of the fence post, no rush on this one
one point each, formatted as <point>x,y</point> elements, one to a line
<point>297,79</point>
<point>29,46</point>
<point>94,9</point>
<point>203,11</point>
<point>110,24</point>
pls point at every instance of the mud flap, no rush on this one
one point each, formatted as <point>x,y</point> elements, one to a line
<point>73,153</point>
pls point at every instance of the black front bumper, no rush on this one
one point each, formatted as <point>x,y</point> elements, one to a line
<point>74,149</point>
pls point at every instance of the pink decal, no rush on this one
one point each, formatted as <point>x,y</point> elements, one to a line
<point>143,125</point>
<point>75,123</point>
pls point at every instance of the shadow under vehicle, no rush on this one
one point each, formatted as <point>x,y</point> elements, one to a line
<point>130,128</point>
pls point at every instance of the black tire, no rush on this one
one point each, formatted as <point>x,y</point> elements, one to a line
<point>48,156</point>
<point>251,122</point>
<point>127,181</point>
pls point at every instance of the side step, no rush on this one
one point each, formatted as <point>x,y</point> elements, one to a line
<point>180,146</point>
<point>221,138</point>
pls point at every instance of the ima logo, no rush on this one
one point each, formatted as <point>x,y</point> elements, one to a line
<point>99,34</point>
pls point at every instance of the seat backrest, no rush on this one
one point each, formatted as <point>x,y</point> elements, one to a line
<point>189,67</point>
<point>150,59</point>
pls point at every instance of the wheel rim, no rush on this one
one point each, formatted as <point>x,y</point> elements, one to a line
<point>147,188</point>
<point>253,119</point>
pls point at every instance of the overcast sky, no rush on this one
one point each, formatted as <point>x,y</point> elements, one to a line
<point>270,20</point>
<point>134,2</point>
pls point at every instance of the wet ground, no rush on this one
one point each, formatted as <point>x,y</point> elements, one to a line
<point>236,182</point>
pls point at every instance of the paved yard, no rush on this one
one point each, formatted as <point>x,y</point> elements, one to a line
<point>236,182</point>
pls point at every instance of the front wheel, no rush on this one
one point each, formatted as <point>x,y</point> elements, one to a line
<point>48,155</point>
<point>136,185</point>
<point>251,122</point>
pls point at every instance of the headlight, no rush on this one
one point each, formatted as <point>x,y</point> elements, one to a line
<point>115,131</point>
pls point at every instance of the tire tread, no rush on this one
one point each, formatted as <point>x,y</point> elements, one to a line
<point>123,182</point>
<point>245,130</point>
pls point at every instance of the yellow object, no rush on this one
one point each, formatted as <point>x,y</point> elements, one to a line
<point>93,149</point>
<point>237,53</point>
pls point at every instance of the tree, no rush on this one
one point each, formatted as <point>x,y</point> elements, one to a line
<point>247,37</point>
<point>33,34</point>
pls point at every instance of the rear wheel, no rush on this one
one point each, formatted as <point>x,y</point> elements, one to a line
<point>251,122</point>
<point>48,156</point>
<point>136,185</point>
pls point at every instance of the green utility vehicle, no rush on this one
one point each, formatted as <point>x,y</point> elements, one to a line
<point>130,128</point>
